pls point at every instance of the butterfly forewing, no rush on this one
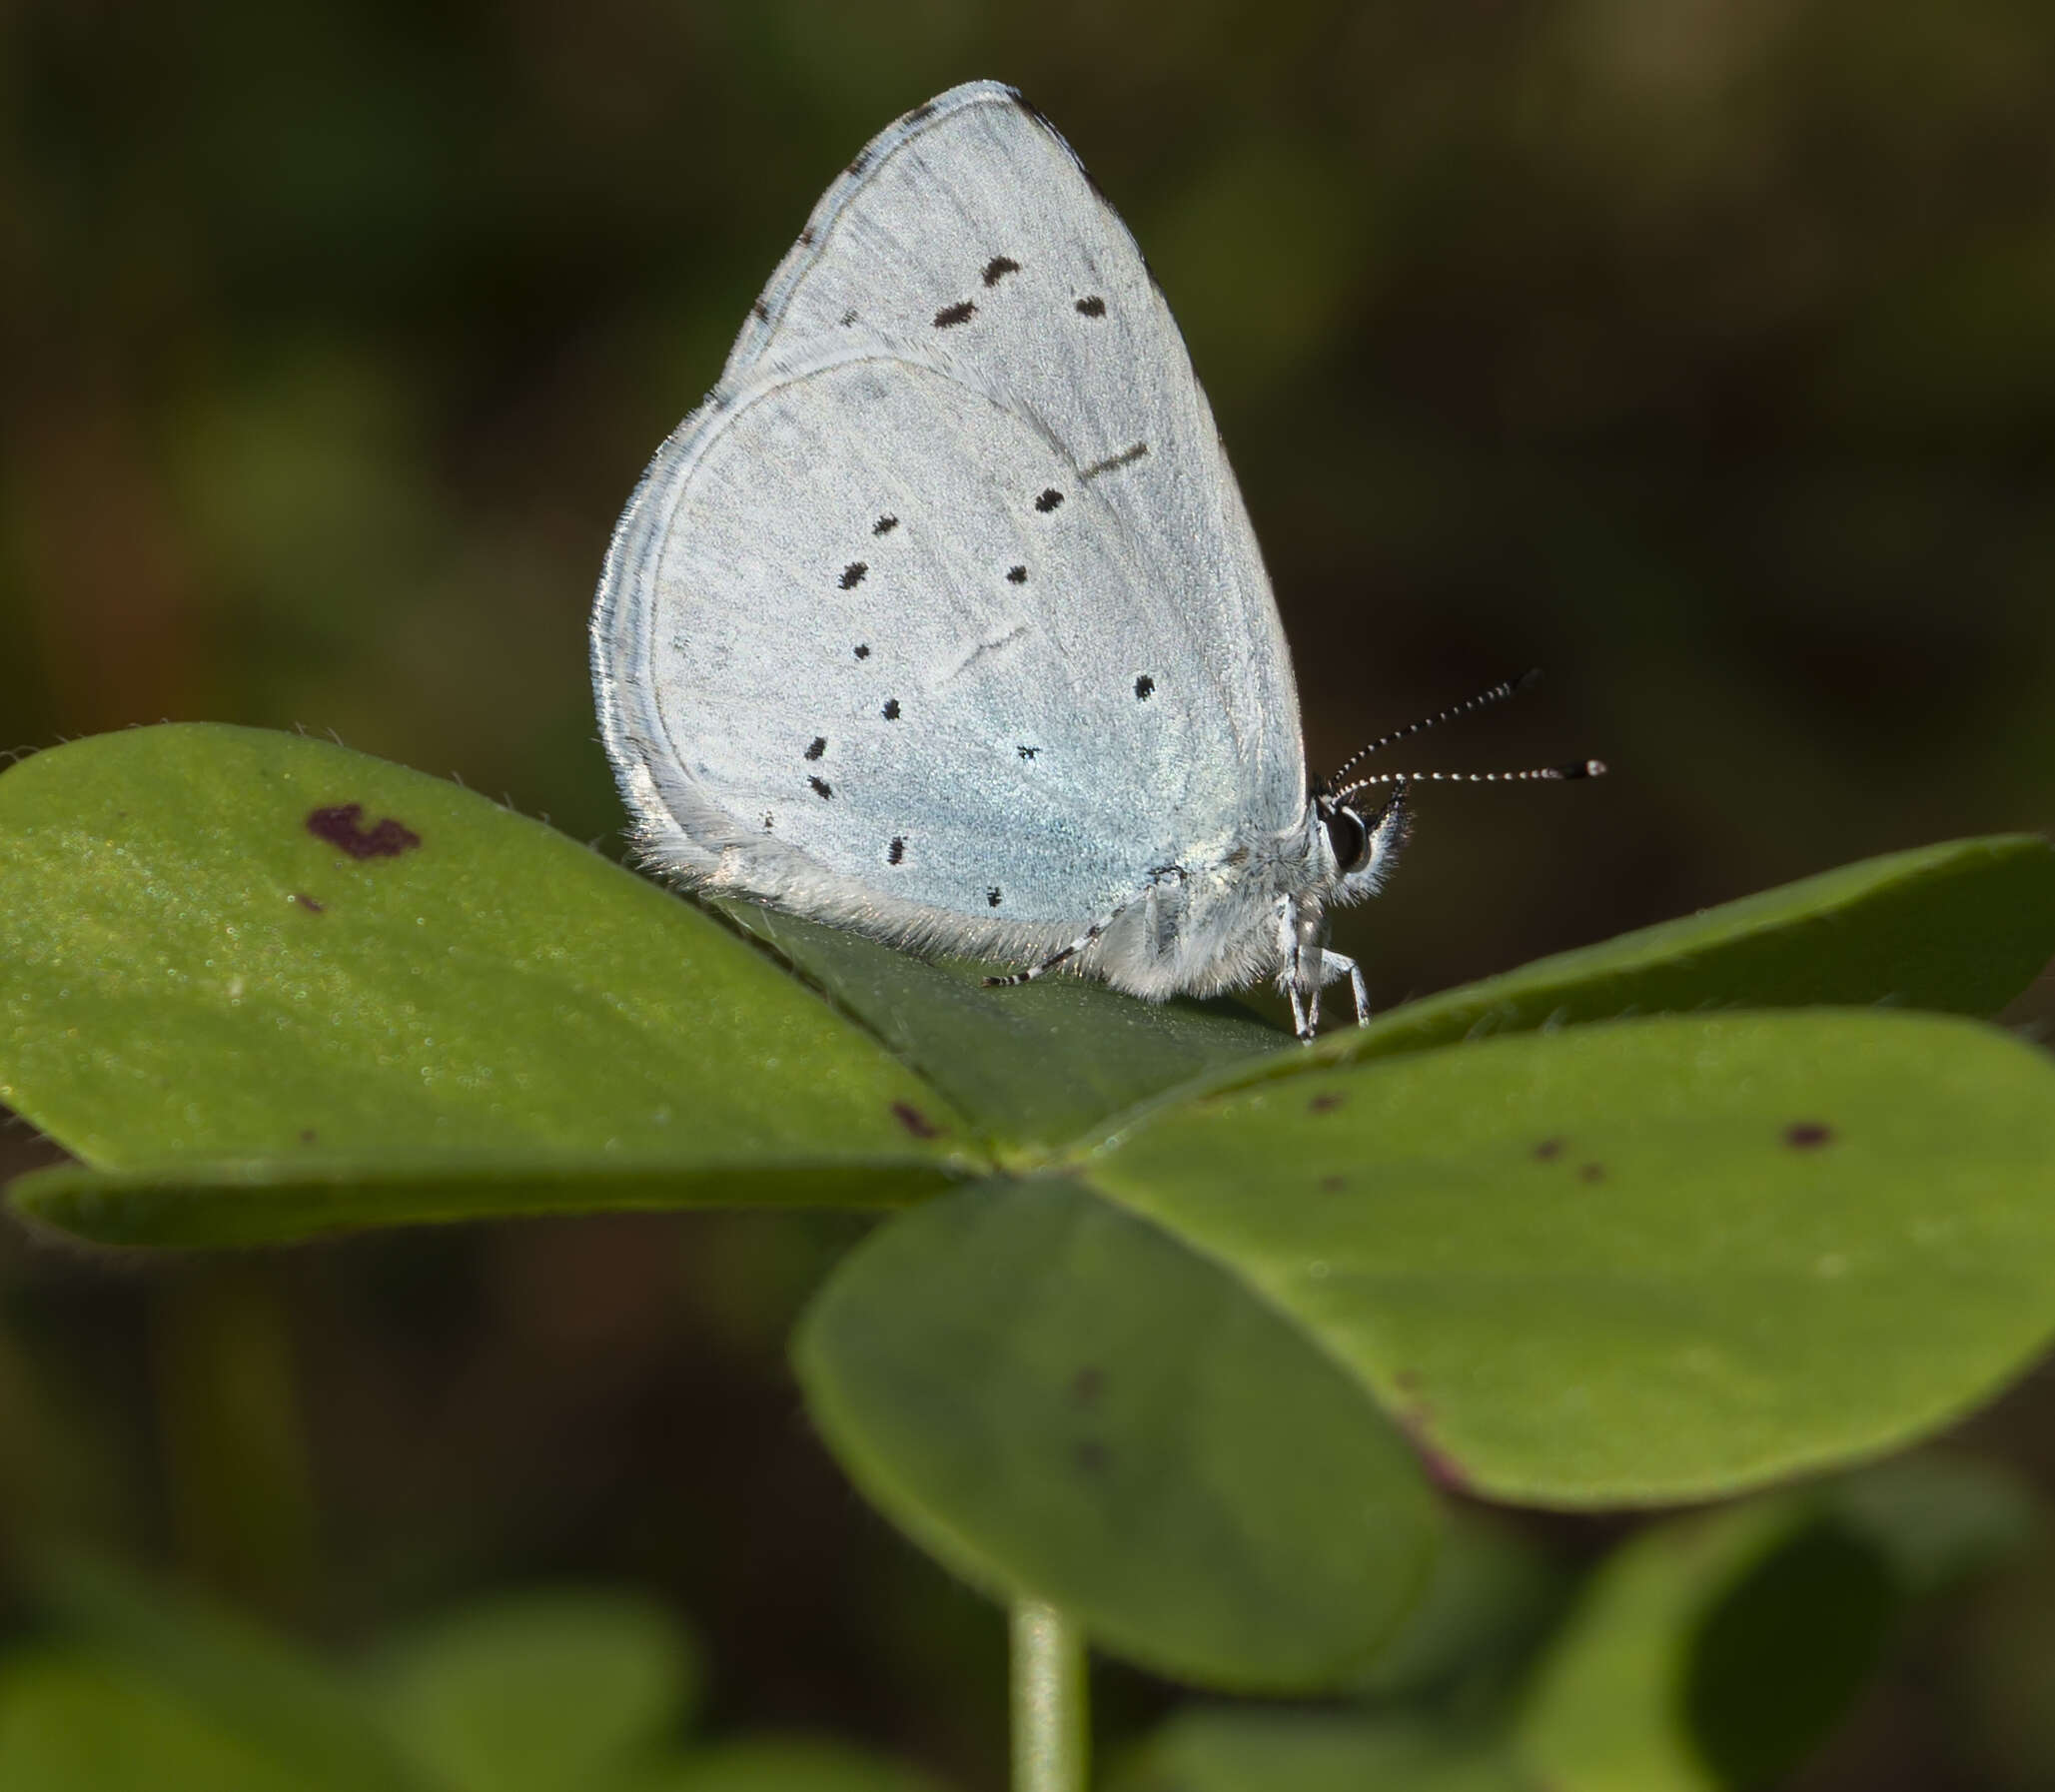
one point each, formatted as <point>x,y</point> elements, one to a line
<point>948,595</point>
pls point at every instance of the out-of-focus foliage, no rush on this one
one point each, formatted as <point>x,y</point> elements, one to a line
<point>1708,1654</point>
<point>565,1689</point>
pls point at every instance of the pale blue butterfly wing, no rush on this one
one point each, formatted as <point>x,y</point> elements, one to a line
<point>943,617</point>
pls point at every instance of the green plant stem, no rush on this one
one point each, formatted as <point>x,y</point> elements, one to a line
<point>1051,1740</point>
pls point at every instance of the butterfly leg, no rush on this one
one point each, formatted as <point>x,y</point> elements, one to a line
<point>1310,964</point>
<point>1091,933</point>
<point>1153,917</point>
<point>1294,950</point>
<point>1337,965</point>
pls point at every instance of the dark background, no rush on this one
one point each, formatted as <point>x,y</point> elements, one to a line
<point>1701,352</point>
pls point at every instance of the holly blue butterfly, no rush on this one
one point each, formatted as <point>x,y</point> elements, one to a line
<point>941,620</point>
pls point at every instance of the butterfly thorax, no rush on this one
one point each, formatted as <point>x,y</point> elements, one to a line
<point>1215,921</point>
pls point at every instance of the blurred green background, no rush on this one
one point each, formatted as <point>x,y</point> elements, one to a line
<point>1701,352</point>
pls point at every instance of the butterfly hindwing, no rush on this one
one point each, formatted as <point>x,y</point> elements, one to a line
<point>868,667</point>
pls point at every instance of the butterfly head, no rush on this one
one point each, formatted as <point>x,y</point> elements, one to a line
<point>1361,838</point>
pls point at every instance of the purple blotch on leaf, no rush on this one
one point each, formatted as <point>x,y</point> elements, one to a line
<point>341,825</point>
<point>914,1121</point>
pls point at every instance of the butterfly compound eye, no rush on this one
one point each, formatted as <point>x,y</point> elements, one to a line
<point>1349,838</point>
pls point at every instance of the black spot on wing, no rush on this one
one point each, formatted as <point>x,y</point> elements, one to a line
<point>1049,498</point>
<point>1091,306</point>
<point>926,109</point>
<point>1027,752</point>
<point>819,746</point>
<point>884,525</point>
<point>897,851</point>
<point>1144,685</point>
<point>861,163</point>
<point>761,312</point>
<point>952,314</point>
<point>821,788</point>
<point>1016,576</point>
<point>848,317</point>
<point>891,710</point>
<point>992,897</point>
<point>806,238</point>
<point>852,575</point>
<point>998,267</point>
<point>862,651</point>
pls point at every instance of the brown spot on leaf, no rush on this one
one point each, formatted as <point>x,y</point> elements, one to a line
<point>1547,1149</point>
<point>914,1121</point>
<point>1090,1456</point>
<point>306,1135</point>
<point>307,902</point>
<point>1333,1185</point>
<point>1324,1102</point>
<point>1087,1384</point>
<point>1591,1173</point>
<point>1808,1135</point>
<point>342,826</point>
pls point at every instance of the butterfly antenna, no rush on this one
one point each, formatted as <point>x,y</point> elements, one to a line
<point>1549,774</point>
<point>1483,700</point>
